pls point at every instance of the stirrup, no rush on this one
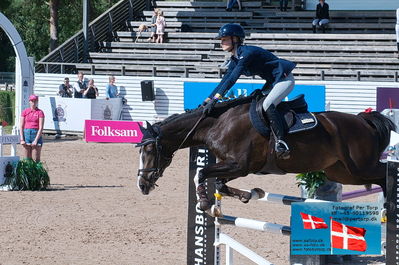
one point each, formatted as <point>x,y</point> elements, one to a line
<point>282,149</point>
<point>284,145</point>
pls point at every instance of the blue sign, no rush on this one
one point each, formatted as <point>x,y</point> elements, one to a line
<point>333,228</point>
<point>196,92</point>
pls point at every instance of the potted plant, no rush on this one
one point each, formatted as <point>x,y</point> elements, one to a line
<point>28,175</point>
<point>311,181</point>
<point>316,185</point>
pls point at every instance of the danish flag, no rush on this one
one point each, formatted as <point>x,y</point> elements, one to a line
<point>313,222</point>
<point>347,237</point>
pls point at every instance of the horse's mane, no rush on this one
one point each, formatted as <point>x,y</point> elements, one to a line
<point>178,116</point>
<point>219,109</point>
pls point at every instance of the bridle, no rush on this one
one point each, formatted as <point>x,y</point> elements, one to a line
<point>156,170</point>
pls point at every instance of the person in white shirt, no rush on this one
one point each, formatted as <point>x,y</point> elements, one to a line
<point>80,86</point>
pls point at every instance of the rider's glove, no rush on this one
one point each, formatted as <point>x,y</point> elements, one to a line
<point>209,106</point>
<point>205,102</point>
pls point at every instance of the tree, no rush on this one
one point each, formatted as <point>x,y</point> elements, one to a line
<point>53,4</point>
<point>43,25</point>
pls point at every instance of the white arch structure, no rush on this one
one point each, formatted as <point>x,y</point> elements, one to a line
<point>24,68</point>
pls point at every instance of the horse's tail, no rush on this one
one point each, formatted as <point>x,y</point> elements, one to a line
<point>383,126</point>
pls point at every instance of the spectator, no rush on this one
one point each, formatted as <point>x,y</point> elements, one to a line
<point>91,91</point>
<point>31,128</point>
<point>111,91</point>
<point>397,29</point>
<point>153,25</point>
<point>65,90</point>
<point>322,16</point>
<point>283,5</point>
<point>231,3</point>
<point>161,24</point>
<point>80,86</point>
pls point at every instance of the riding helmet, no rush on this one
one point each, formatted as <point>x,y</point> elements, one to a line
<point>231,29</point>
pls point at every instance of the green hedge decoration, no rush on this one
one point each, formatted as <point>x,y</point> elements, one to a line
<point>28,175</point>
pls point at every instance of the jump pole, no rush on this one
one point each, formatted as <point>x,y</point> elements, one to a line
<point>392,206</point>
<point>360,193</point>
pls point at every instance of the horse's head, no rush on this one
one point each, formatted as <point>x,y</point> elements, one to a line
<point>152,159</point>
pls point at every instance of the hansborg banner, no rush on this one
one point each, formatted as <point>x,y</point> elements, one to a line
<point>112,131</point>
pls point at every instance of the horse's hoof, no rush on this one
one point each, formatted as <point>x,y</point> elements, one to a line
<point>257,193</point>
<point>204,205</point>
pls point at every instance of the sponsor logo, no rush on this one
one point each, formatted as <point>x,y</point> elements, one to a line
<point>110,132</point>
<point>59,114</point>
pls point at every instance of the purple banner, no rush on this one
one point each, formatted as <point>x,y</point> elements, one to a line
<point>387,97</point>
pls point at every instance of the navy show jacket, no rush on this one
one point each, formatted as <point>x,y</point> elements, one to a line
<point>250,61</point>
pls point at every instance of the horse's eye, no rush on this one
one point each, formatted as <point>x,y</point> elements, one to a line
<point>148,148</point>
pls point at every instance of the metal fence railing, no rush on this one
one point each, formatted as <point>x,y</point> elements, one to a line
<point>101,29</point>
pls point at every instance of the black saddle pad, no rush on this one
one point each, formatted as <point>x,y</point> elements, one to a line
<point>295,114</point>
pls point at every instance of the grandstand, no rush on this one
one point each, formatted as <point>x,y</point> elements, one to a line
<point>359,45</point>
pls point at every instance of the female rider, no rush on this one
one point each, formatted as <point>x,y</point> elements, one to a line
<point>250,61</point>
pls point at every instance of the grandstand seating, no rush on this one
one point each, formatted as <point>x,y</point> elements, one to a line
<point>358,45</point>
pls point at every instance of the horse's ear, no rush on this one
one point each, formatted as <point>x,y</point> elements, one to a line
<point>142,129</point>
<point>151,130</point>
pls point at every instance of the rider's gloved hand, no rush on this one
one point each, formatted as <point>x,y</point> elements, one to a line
<point>209,106</point>
<point>205,102</point>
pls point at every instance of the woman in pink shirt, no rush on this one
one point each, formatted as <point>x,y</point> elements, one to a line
<point>31,128</point>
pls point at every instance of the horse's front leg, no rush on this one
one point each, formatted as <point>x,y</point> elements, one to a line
<point>222,169</point>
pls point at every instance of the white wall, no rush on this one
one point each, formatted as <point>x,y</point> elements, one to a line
<point>351,96</point>
<point>169,94</point>
<point>356,4</point>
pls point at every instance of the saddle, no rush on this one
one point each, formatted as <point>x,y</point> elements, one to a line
<point>294,113</point>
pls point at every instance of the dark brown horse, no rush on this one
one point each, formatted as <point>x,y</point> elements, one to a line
<point>347,147</point>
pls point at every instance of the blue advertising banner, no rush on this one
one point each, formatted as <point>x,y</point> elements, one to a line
<point>335,229</point>
<point>196,92</point>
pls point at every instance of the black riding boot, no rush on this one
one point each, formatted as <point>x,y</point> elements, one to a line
<point>314,29</point>
<point>277,127</point>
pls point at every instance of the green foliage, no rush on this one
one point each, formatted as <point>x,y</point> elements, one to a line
<point>28,175</point>
<point>7,103</point>
<point>8,129</point>
<point>31,19</point>
<point>312,181</point>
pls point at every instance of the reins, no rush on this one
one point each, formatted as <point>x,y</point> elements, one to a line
<point>190,132</point>
<point>159,152</point>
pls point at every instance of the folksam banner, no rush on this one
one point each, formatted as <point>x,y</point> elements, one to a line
<point>105,131</point>
<point>196,92</point>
